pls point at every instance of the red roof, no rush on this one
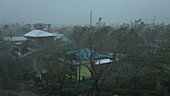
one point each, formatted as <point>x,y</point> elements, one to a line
<point>55,30</point>
<point>49,30</point>
<point>30,52</point>
<point>62,29</point>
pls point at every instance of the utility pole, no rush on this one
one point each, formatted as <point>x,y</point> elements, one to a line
<point>90,18</point>
<point>154,19</point>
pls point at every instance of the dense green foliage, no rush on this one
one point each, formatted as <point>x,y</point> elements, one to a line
<point>140,54</point>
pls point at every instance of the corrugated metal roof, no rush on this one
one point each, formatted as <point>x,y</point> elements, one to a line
<point>39,33</point>
<point>86,53</point>
<point>103,61</point>
<point>15,38</point>
<point>58,35</point>
<point>64,38</point>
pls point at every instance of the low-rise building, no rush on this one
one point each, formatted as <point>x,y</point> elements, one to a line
<point>81,59</point>
<point>15,40</point>
<point>39,38</point>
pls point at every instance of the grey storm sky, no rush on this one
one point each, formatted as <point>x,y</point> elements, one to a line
<point>76,12</point>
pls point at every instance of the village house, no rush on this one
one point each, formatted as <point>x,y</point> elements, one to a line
<point>16,40</point>
<point>39,38</point>
<point>57,31</point>
<point>41,26</point>
<point>81,60</point>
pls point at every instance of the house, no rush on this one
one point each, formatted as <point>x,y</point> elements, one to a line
<point>59,34</point>
<point>61,37</point>
<point>86,54</point>
<point>16,40</point>
<point>81,59</point>
<point>39,38</point>
<point>41,26</point>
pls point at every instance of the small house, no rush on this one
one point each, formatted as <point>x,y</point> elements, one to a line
<point>41,26</point>
<point>81,59</point>
<point>61,37</point>
<point>39,38</point>
<point>16,40</point>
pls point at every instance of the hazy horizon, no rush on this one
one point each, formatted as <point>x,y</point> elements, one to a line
<point>77,12</point>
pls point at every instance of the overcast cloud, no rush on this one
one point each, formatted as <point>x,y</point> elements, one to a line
<point>75,12</point>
